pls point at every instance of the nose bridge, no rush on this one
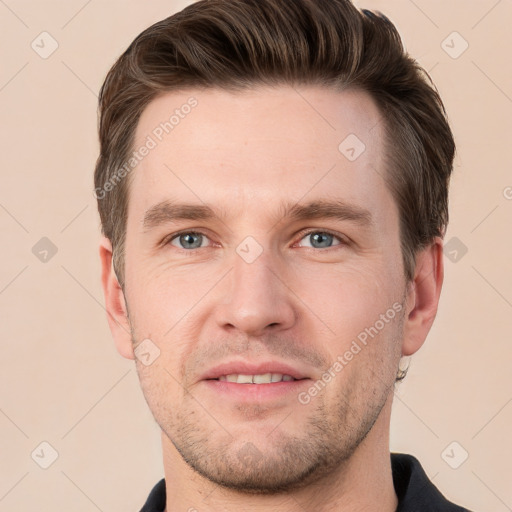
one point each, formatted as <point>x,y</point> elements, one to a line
<point>256,298</point>
<point>254,277</point>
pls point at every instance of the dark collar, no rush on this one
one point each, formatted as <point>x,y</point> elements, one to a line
<point>414,490</point>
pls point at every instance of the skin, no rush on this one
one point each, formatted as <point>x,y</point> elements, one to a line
<point>298,302</point>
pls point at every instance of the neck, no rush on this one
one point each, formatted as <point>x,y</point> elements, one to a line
<point>361,483</point>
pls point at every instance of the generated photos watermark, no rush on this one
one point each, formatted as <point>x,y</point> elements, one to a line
<point>151,142</point>
<point>355,348</point>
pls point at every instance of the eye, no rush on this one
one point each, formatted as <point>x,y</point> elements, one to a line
<point>322,239</point>
<point>188,240</point>
<point>318,239</point>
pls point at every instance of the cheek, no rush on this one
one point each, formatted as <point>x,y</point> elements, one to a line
<point>161,389</point>
<point>163,298</point>
<point>347,300</point>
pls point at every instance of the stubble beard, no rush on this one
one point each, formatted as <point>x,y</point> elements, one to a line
<point>283,462</point>
<point>288,462</point>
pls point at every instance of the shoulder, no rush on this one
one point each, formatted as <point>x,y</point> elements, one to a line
<point>414,489</point>
<point>156,499</point>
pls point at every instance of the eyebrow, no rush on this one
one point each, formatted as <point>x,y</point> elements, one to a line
<point>169,211</point>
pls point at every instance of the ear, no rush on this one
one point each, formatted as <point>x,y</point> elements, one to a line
<point>115,304</point>
<point>423,296</point>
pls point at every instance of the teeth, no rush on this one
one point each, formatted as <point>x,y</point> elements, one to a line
<point>265,378</point>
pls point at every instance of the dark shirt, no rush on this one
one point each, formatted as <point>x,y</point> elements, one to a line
<point>415,492</point>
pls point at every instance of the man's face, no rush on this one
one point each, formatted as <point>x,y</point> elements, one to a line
<point>256,290</point>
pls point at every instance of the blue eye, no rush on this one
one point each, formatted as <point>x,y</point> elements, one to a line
<point>188,240</point>
<point>318,239</point>
<point>321,239</point>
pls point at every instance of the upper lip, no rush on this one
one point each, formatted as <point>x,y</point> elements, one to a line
<point>252,368</point>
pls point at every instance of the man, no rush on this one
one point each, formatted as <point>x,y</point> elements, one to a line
<point>272,186</point>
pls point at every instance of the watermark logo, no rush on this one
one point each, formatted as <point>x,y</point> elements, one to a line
<point>44,250</point>
<point>44,455</point>
<point>455,249</point>
<point>352,147</point>
<point>454,45</point>
<point>147,352</point>
<point>44,45</point>
<point>249,454</point>
<point>454,455</point>
<point>249,249</point>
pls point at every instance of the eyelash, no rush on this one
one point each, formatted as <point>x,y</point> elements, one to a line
<point>343,241</point>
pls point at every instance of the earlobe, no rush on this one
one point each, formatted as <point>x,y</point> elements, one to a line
<point>423,296</point>
<point>117,313</point>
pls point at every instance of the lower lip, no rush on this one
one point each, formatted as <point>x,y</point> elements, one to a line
<point>257,392</point>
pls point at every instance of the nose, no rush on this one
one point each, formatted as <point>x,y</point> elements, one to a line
<point>257,298</point>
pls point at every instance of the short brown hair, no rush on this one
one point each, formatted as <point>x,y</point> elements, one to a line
<point>238,44</point>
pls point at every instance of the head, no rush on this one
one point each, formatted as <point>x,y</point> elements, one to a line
<point>250,129</point>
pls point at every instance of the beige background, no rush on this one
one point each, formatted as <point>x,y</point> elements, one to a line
<point>62,380</point>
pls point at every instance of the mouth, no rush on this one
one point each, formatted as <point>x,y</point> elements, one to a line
<point>246,382</point>
<point>264,372</point>
<point>260,378</point>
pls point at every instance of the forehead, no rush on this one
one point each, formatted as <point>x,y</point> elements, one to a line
<point>248,150</point>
